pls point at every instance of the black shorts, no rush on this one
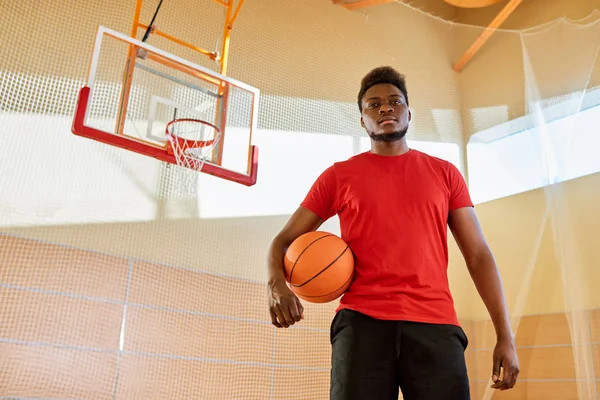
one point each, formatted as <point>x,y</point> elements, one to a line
<point>374,359</point>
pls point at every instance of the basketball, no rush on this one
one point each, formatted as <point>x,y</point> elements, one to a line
<point>319,267</point>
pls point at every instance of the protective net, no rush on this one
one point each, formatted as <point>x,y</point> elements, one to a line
<point>124,277</point>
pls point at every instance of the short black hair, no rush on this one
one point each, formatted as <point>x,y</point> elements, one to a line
<point>385,74</point>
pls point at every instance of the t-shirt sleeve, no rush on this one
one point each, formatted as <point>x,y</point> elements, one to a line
<point>320,199</point>
<point>459,192</point>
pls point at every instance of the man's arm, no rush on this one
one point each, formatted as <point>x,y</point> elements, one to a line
<point>284,306</point>
<point>482,267</point>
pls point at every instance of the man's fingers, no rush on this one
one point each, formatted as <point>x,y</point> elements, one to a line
<point>508,379</point>
<point>281,318</point>
<point>296,311</point>
<point>509,376</point>
<point>274,319</point>
<point>287,313</point>
<point>511,379</point>
<point>496,369</point>
<point>497,384</point>
<point>300,308</point>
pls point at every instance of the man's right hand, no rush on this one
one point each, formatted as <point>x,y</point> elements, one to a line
<point>284,306</point>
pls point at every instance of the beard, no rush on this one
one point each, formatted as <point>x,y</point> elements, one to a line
<point>388,137</point>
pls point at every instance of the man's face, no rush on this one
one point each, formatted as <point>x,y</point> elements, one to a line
<point>385,115</point>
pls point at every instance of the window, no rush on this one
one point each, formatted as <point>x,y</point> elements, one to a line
<point>554,151</point>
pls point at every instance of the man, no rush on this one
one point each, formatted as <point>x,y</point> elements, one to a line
<point>396,326</point>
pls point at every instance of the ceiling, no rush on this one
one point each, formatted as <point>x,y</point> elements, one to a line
<point>492,14</point>
<point>428,5</point>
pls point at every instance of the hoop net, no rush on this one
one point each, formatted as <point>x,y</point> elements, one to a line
<point>192,141</point>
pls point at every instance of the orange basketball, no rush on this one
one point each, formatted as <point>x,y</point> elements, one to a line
<point>319,267</point>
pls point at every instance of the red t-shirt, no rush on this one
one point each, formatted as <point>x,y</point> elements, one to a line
<point>393,213</point>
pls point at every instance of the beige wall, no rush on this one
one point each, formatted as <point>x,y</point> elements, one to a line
<point>535,254</point>
<point>94,325</point>
<point>551,367</point>
<point>82,324</point>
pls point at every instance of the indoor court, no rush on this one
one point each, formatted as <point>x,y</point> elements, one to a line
<point>150,150</point>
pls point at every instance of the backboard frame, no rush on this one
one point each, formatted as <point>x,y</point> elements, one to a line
<point>149,148</point>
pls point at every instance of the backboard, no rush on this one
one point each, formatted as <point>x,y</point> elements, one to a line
<point>134,90</point>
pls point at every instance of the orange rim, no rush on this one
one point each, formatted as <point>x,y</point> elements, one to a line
<point>189,143</point>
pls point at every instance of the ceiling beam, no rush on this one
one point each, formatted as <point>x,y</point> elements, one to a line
<point>485,35</point>
<point>363,3</point>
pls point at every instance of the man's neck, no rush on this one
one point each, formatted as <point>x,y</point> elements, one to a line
<point>396,148</point>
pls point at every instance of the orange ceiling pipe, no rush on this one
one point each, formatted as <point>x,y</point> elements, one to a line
<point>481,40</point>
<point>486,34</point>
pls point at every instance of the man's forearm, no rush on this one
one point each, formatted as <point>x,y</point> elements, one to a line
<point>275,260</point>
<point>485,275</point>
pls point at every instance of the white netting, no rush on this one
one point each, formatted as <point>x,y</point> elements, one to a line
<point>125,277</point>
<point>192,141</point>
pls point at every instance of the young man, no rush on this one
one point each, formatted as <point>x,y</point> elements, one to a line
<point>396,326</point>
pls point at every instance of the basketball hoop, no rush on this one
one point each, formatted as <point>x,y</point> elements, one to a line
<point>191,141</point>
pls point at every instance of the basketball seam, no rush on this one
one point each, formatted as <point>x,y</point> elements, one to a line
<point>327,294</point>
<point>302,252</point>
<point>323,270</point>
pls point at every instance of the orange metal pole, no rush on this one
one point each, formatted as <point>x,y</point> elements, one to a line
<point>213,55</point>
<point>226,38</point>
<point>237,11</point>
<point>183,68</point>
<point>222,102</point>
<point>485,35</point>
<point>128,73</point>
<point>136,18</point>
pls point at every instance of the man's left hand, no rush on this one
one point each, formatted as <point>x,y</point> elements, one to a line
<point>505,359</point>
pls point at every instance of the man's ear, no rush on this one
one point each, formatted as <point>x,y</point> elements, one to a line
<point>409,115</point>
<point>362,122</point>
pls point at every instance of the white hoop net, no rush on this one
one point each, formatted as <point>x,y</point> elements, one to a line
<point>192,142</point>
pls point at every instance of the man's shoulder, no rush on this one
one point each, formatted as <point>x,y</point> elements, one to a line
<point>433,160</point>
<point>436,164</point>
<point>445,170</point>
<point>350,162</point>
<point>341,168</point>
